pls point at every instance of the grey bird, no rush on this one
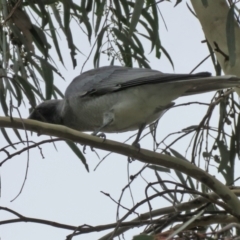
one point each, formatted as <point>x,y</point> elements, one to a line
<point>118,99</point>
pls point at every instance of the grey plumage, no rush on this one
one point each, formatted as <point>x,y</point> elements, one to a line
<point>119,99</point>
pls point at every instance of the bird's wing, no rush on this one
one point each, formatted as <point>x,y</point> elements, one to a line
<point>104,80</point>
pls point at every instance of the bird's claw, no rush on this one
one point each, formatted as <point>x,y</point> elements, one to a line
<point>101,135</point>
<point>136,145</point>
<point>130,159</point>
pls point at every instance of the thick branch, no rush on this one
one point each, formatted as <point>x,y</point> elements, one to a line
<point>143,155</point>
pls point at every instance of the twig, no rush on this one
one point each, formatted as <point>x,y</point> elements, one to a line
<point>29,147</point>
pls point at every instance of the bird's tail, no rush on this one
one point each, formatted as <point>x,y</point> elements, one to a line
<point>209,84</point>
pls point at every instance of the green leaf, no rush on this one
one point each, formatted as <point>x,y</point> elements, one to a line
<point>54,38</point>
<point>178,173</point>
<point>44,14</point>
<point>158,47</point>
<point>154,27</point>
<point>67,31</point>
<point>140,46</point>
<point>99,45</point>
<point>57,16</point>
<point>27,89</point>
<point>150,33</point>
<point>127,56</point>
<point>85,19</point>
<point>177,2</point>
<point>177,154</point>
<point>112,61</point>
<point>142,62</point>
<point>224,152</point>
<point>5,134</point>
<point>72,47</point>
<point>58,91</point>
<point>48,78</point>
<point>237,131</point>
<point>168,56</point>
<point>3,98</point>
<point>230,34</point>
<point>165,188</point>
<point>89,5</point>
<point>138,6</point>
<point>40,40</point>
<point>190,181</point>
<point>125,4</point>
<point>143,237</point>
<point>155,13</point>
<point>17,88</point>
<point>123,54</point>
<point>159,169</point>
<point>232,155</point>
<point>18,135</point>
<point>118,13</point>
<point>222,114</point>
<point>66,16</point>
<point>79,154</point>
<point>126,41</point>
<point>99,13</point>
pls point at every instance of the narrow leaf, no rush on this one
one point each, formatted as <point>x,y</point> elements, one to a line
<point>99,13</point>
<point>224,152</point>
<point>48,78</point>
<point>168,56</point>
<point>79,154</point>
<point>27,89</point>
<point>143,237</point>
<point>3,98</point>
<point>138,6</point>
<point>230,34</point>
<point>99,45</point>
<point>165,188</point>
<point>5,134</point>
<point>159,169</point>
<point>54,38</point>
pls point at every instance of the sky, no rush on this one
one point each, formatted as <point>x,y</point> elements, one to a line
<point>58,188</point>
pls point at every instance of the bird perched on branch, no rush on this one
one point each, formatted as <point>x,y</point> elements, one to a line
<point>118,99</point>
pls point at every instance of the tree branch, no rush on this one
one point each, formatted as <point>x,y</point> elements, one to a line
<point>142,155</point>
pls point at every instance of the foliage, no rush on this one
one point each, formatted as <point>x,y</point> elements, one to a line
<point>111,26</point>
<point>25,44</point>
<point>26,41</point>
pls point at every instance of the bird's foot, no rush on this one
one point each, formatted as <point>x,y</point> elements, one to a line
<point>101,135</point>
<point>136,145</point>
<point>131,159</point>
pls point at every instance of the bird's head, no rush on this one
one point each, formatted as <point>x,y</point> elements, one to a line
<point>48,111</point>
